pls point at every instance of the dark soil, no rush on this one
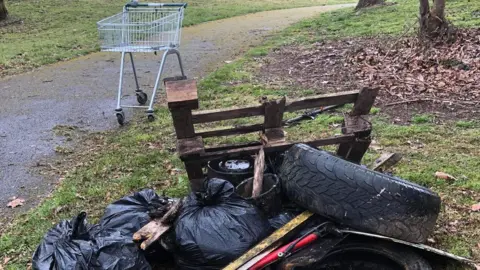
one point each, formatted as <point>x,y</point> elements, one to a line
<point>441,79</point>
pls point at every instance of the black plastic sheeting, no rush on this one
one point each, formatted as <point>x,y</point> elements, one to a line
<point>108,245</point>
<point>216,227</point>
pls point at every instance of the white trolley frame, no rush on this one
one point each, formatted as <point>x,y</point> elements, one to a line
<point>143,27</point>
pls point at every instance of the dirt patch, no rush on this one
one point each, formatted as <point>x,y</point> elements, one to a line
<point>440,80</point>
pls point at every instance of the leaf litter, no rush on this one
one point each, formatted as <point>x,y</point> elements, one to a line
<point>441,79</point>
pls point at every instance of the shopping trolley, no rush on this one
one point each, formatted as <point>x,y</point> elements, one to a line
<point>143,27</point>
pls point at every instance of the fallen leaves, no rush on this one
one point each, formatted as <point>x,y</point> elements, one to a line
<point>441,77</point>
<point>15,202</point>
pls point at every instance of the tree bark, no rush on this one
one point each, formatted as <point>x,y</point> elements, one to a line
<point>432,20</point>
<point>3,10</point>
<point>369,3</point>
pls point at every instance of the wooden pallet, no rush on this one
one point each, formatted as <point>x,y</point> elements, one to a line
<point>183,102</point>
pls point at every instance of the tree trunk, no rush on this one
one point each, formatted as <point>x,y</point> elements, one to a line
<point>3,10</point>
<point>432,21</point>
<point>369,3</point>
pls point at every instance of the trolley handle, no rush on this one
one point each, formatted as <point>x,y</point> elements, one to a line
<point>137,4</point>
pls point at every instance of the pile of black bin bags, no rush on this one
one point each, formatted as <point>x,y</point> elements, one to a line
<point>214,228</point>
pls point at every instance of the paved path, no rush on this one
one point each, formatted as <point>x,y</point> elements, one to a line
<point>81,93</point>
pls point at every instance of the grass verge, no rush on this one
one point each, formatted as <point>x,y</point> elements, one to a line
<point>56,30</point>
<point>142,155</point>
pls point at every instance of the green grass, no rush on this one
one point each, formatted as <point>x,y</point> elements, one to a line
<point>56,30</point>
<point>422,118</point>
<point>389,20</point>
<point>140,155</point>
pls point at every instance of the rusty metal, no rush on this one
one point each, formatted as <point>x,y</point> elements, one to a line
<point>274,239</point>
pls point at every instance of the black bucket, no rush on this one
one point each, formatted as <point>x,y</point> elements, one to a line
<point>270,200</point>
<point>234,170</point>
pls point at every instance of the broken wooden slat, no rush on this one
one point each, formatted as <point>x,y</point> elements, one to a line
<point>226,114</point>
<point>321,100</point>
<point>386,161</point>
<point>354,151</point>
<point>212,153</point>
<point>231,131</point>
<point>357,125</point>
<point>364,102</point>
<point>259,168</point>
<point>273,123</point>
<point>275,135</point>
<point>274,113</point>
<point>182,94</point>
<point>151,232</point>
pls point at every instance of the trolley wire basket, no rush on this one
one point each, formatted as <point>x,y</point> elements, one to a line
<point>142,27</point>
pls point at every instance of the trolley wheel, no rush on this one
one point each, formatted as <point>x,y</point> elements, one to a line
<point>142,97</point>
<point>151,117</point>
<point>121,118</point>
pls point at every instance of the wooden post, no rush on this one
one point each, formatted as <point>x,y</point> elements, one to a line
<point>365,101</point>
<point>192,148</point>
<point>273,120</point>
<point>182,98</point>
<point>355,124</point>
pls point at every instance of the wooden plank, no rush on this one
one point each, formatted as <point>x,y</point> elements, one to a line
<point>275,135</point>
<point>152,232</point>
<point>182,121</point>
<point>231,131</point>
<point>322,100</point>
<point>190,146</point>
<point>232,146</point>
<point>274,113</point>
<point>195,174</point>
<point>357,125</point>
<point>354,151</point>
<point>251,150</point>
<point>226,114</point>
<point>259,168</point>
<point>294,105</point>
<point>365,101</point>
<point>182,94</point>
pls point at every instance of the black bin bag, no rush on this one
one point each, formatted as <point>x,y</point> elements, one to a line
<point>216,227</point>
<point>131,213</point>
<point>108,245</point>
<point>115,251</point>
<point>66,246</point>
